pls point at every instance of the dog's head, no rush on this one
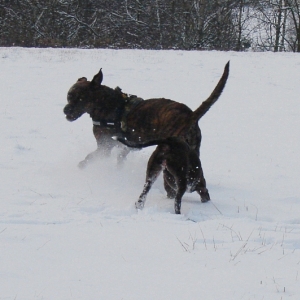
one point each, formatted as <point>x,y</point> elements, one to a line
<point>81,96</point>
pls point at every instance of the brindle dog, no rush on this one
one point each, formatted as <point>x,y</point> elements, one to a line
<point>140,121</point>
<point>181,168</point>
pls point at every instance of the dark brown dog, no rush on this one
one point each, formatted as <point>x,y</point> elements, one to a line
<point>182,170</point>
<point>140,121</point>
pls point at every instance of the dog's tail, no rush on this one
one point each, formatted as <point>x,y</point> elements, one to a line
<point>214,96</point>
<point>195,117</point>
<point>168,141</point>
<point>207,104</point>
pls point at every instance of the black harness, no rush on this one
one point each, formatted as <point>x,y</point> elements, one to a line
<point>121,123</point>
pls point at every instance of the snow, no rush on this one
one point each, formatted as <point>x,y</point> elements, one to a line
<point>67,233</point>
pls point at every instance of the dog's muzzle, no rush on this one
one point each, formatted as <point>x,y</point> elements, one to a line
<point>70,113</point>
<point>68,109</point>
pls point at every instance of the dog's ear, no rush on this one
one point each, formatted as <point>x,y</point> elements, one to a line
<point>82,79</point>
<point>97,80</point>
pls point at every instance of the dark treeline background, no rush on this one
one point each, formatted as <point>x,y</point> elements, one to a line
<point>263,25</point>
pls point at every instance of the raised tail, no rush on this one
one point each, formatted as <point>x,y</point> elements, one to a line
<point>207,104</point>
<point>195,117</point>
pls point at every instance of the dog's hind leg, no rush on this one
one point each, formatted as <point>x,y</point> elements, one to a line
<point>177,178</point>
<point>142,199</point>
<point>181,188</point>
<point>196,177</point>
<point>151,177</point>
<point>202,191</point>
<point>154,168</point>
<point>201,187</point>
<point>169,183</point>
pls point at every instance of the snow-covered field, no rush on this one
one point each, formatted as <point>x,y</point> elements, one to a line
<point>67,233</point>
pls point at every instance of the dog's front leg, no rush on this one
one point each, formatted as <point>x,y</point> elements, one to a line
<point>89,158</point>
<point>122,156</point>
<point>104,146</point>
<point>101,151</point>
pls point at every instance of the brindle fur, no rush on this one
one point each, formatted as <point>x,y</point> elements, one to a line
<point>181,168</point>
<point>153,119</point>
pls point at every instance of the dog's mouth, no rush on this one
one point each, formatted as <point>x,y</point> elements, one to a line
<point>70,118</point>
<point>71,113</point>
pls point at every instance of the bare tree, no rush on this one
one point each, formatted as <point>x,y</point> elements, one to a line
<point>152,24</point>
<point>294,40</point>
<point>271,17</point>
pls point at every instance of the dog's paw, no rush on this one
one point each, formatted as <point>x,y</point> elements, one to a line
<point>171,195</point>
<point>205,197</point>
<point>139,204</point>
<point>177,208</point>
<point>82,164</point>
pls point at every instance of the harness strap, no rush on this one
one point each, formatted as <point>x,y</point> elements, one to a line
<point>130,102</point>
<point>104,124</point>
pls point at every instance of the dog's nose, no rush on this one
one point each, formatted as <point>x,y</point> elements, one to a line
<point>68,109</point>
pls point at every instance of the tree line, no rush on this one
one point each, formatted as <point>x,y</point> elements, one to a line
<point>262,25</point>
